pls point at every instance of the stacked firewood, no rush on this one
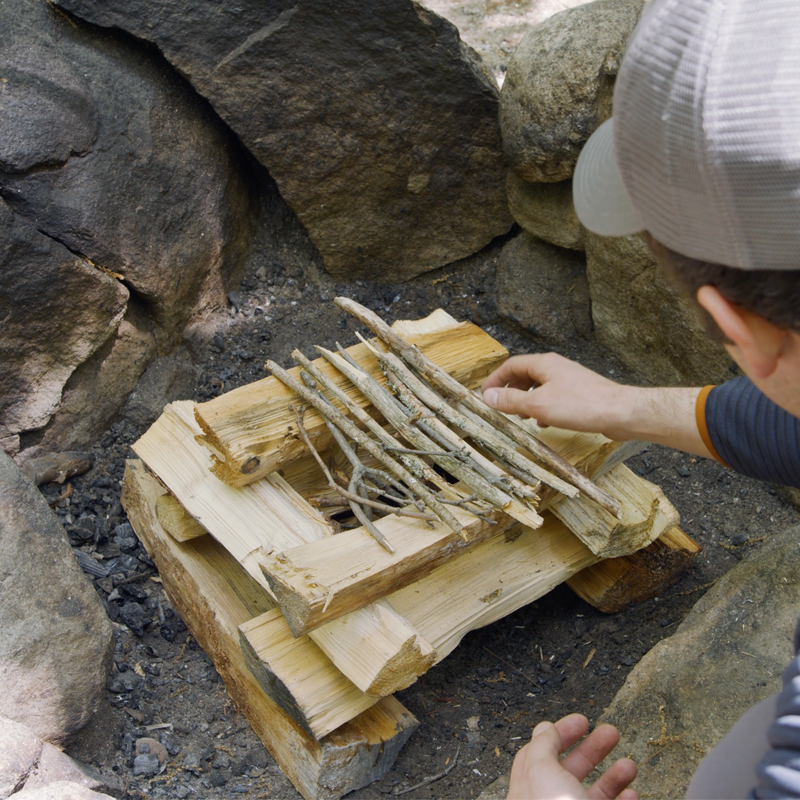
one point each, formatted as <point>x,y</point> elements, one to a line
<point>366,510</point>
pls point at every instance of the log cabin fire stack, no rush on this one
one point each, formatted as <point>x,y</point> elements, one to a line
<point>313,628</point>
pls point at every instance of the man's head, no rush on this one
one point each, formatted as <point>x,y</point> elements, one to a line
<point>705,138</point>
<point>703,156</point>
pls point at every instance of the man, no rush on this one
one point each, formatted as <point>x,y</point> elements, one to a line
<point>703,158</point>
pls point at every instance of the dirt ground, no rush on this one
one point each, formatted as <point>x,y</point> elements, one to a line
<point>553,657</point>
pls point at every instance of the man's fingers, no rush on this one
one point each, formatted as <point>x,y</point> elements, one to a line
<point>591,751</point>
<point>510,401</point>
<point>614,781</point>
<point>571,728</point>
<point>519,371</point>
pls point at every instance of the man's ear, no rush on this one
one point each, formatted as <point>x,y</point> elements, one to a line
<point>757,341</point>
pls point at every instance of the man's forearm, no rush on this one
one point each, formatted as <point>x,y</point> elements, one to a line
<point>664,416</point>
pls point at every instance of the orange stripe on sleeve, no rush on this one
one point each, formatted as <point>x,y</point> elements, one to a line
<point>702,427</point>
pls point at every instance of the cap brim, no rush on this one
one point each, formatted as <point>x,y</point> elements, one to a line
<point>601,202</point>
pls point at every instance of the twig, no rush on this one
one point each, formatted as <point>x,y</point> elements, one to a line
<point>445,381</point>
<point>397,416</point>
<point>431,778</point>
<point>357,506</point>
<point>483,434</point>
<point>329,412</point>
<point>508,664</point>
<point>414,399</point>
<point>346,494</point>
<point>417,467</point>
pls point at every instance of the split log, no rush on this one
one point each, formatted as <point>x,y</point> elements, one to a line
<point>646,514</point>
<point>376,649</point>
<point>176,520</point>
<point>490,581</point>
<point>214,596</point>
<point>614,584</point>
<point>251,433</point>
<point>317,583</point>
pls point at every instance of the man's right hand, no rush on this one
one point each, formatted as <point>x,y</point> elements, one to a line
<point>556,391</point>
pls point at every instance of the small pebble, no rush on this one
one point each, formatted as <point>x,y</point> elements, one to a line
<point>146,764</point>
<point>148,745</point>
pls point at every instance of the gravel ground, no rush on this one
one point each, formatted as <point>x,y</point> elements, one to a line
<point>486,696</point>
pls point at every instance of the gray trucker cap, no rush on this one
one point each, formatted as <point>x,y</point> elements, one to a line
<point>703,150</point>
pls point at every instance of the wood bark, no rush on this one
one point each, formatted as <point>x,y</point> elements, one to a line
<point>613,584</point>
<point>376,649</point>
<point>214,596</point>
<point>250,432</point>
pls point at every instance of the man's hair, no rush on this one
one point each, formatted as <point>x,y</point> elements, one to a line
<point>773,294</point>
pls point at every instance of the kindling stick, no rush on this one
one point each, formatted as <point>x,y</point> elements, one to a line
<point>437,375</point>
<point>352,432</point>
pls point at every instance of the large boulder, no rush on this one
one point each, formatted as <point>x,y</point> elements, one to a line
<point>545,210</point>
<point>727,655</point>
<point>378,124</point>
<point>57,310</point>
<point>559,86</point>
<point>124,194</point>
<point>544,289</point>
<point>645,320</point>
<point>55,638</point>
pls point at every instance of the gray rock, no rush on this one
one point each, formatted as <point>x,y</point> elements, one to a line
<point>57,311</point>
<point>61,790</point>
<point>559,86</point>
<point>146,764</point>
<point>54,765</point>
<point>166,379</point>
<point>545,210</point>
<point>380,129</point>
<point>55,642</point>
<point>117,172</point>
<point>645,320</point>
<point>20,749</point>
<point>156,196</point>
<point>544,289</point>
<point>98,389</point>
<point>727,655</point>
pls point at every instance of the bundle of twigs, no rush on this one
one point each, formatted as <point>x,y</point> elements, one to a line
<point>433,414</point>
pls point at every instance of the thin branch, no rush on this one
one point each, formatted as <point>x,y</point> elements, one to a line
<point>347,495</point>
<point>436,374</point>
<point>431,778</point>
<point>370,446</point>
<point>415,465</point>
<point>476,429</point>
<point>397,415</point>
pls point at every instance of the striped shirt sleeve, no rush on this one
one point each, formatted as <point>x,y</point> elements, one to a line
<point>750,433</point>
